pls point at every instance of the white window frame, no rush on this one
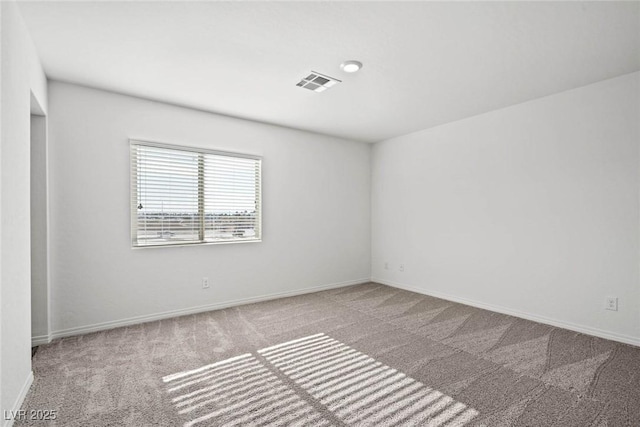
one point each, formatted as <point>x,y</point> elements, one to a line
<point>198,150</point>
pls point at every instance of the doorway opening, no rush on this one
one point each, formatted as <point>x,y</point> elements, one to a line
<point>40,297</point>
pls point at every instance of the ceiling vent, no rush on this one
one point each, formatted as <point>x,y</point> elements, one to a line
<point>317,82</point>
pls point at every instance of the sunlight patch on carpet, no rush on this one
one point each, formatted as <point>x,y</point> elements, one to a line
<point>315,380</point>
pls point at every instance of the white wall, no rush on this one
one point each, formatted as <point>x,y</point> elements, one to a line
<point>21,74</point>
<point>316,210</point>
<point>39,246</point>
<point>532,209</point>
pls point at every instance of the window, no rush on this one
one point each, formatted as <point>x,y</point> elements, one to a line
<point>185,195</point>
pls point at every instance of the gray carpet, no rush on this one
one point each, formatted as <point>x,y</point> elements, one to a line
<point>361,355</point>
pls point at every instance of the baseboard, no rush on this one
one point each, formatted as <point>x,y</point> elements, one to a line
<point>40,340</point>
<point>18,403</point>
<point>626,339</point>
<point>194,310</point>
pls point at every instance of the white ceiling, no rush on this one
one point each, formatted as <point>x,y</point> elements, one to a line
<point>425,63</point>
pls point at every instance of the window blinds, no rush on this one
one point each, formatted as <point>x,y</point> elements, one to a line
<point>187,196</point>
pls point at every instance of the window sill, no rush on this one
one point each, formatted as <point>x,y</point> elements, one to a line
<point>182,245</point>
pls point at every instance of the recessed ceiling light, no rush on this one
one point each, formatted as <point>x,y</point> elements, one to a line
<point>351,66</point>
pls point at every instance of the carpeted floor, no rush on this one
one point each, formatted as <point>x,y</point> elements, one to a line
<point>361,355</point>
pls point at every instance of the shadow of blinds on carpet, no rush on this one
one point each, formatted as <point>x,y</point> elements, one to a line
<point>311,380</point>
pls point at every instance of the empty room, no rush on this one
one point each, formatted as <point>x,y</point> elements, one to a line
<point>315,213</point>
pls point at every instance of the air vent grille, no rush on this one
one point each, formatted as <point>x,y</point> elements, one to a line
<point>317,82</point>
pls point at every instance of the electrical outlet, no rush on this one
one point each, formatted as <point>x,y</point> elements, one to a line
<point>401,268</point>
<point>205,283</point>
<point>611,303</point>
<point>386,265</point>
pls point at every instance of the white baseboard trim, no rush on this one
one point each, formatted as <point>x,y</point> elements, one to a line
<point>80,330</point>
<point>18,403</point>
<point>40,340</point>
<point>626,339</point>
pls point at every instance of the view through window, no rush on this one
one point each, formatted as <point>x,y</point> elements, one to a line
<point>189,196</point>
